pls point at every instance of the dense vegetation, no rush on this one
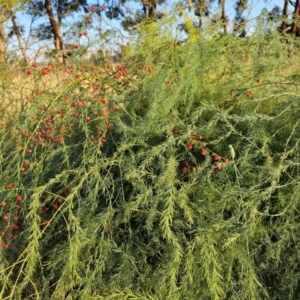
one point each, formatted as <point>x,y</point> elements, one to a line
<point>173,175</point>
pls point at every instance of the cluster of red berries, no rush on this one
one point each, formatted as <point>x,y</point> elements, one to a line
<point>45,70</point>
<point>46,132</point>
<point>234,98</point>
<point>55,124</point>
<point>11,221</point>
<point>171,83</point>
<point>196,143</point>
<point>51,206</point>
<point>53,128</point>
<point>172,80</point>
<point>91,9</point>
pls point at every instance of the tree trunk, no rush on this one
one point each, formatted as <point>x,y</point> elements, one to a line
<point>199,12</point>
<point>285,14</point>
<point>149,7</point>
<point>59,10</point>
<point>2,37</point>
<point>58,41</point>
<point>18,35</point>
<point>223,17</point>
<point>295,28</point>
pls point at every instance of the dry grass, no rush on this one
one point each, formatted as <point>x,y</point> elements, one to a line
<point>21,85</point>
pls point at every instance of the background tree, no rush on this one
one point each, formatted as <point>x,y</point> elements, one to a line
<point>5,14</point>
<point>282,15</point>
<point>17,31</point>
<point>130,17</point>
<point>8,11</point>
<point>239,28</point>
<point>295,24</point>
<point>201,10</point>
<point>56,11</point>
<point>64,19</point>
<point>285,15</point>
<point>223,15</point>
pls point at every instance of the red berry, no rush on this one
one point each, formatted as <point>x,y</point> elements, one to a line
<point>16,218</point>
<point>218,167</point>
<point>3,245</point>
<point>89,21</point>
<point>18,207</point>
<point>102,7</point>
<point>258,80</point>
<point>190,146</point>
<point>104,101</point>
<point>35,66</point>
<point>225,160</point>
<point>186,163</point>
<point>29,72</point>
<point>10,186</point>
<point>87,118</point>
<point>175,131</point>
<point>4,203</point>
<point>149,69</point>
<point>5,217</point>
<point>216,157</point>
<point>45,71</point>
<point>203,152</point>
<point>184,169</point>
<point>19,198</point>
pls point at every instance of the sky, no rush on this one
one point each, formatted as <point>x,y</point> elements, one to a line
<point>254,7</point>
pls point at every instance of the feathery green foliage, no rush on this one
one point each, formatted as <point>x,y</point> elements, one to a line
<point>128,187</point>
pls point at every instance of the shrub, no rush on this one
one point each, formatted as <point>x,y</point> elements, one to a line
<point>120,182</point>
